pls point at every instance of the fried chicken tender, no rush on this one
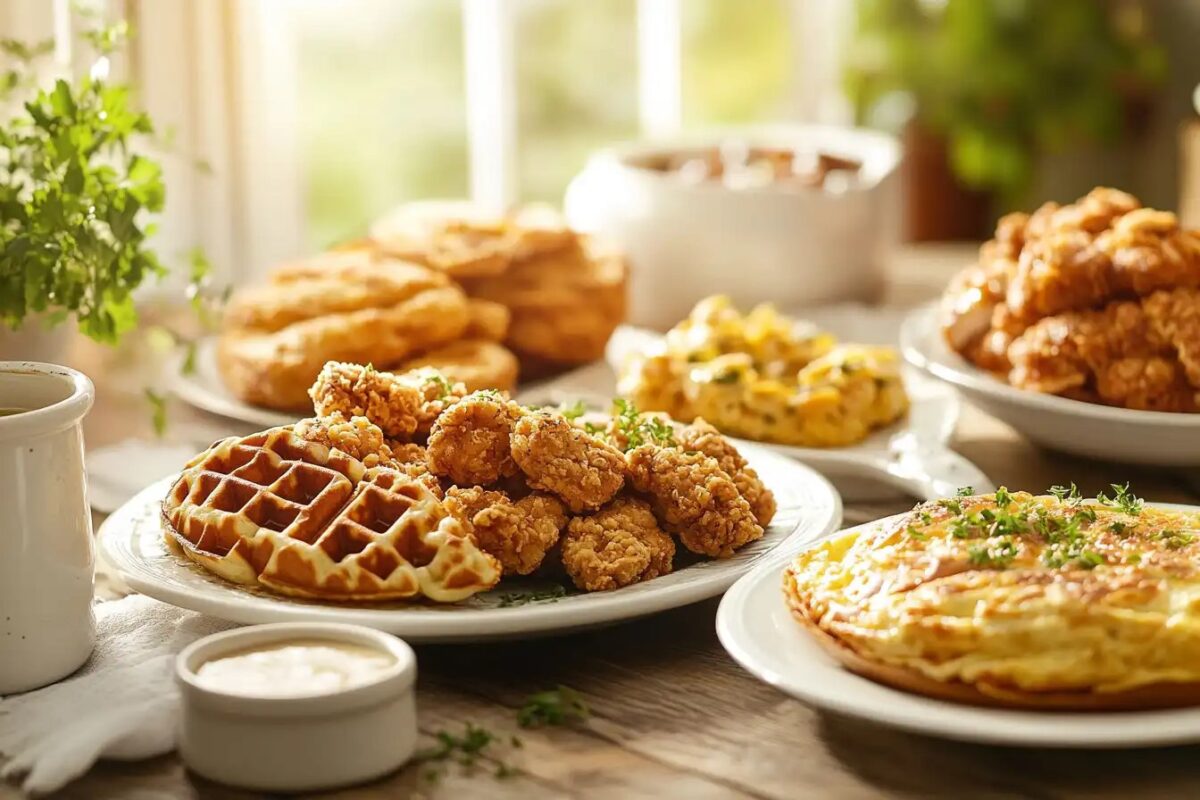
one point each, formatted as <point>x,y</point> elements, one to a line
<point>702,437</point>
<point>559,458</point>
<point>436,392</point>
<point>355,390</point>
<point>694,499</point>
<point>469,443</point>
<point>518,534</point>
<point>357,437</point>
<point>1136,354</point>
<point>619,545</point>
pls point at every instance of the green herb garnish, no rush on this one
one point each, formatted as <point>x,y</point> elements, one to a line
<point>1175,539</point>
<point>1067,493</point>
<point>999,553</point>
<point>558,706</point>
<point>549,594</point>
<point>639,429</point>
<point>964,491</point>
<point>465,750</point>
<point>1122,499</point>
<point>573,411</point>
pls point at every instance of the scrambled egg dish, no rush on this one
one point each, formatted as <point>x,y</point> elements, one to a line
<point>1015,599</point>
<point>766,377</point>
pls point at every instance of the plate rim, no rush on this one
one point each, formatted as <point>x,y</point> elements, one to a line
<point>196,392</point>
<point>969,723</point>
<point>473,624</point>
<point>940,362</point>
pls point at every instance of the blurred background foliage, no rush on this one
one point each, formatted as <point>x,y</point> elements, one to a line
<point>1005,81</point>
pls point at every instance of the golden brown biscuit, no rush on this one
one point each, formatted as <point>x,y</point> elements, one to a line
<point>275,368</point>
<point>488,320</point>
<point>477,363</point>
<point>565,305</point>
<point>463,240</point>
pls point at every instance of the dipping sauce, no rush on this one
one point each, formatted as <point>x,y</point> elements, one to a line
<point>295,668</point>
<point>8,412</point>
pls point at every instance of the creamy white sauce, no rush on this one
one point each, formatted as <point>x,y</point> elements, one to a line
<point>295,668</point>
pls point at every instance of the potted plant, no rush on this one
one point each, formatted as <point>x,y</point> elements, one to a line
<point>981,89</point>
<point>78,200</point>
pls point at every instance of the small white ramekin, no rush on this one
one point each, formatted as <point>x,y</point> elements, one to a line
<point>290,744</point>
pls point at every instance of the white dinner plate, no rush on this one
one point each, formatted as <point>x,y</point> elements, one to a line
<point>133,542</point>
<point>1086,429</point>
<point>757,628</point>
<point>204,389</point>
<point>912,455</point>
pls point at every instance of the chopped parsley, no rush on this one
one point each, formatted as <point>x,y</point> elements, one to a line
<point>953,506</point>
<point>573,411</point>
<point>999,553</point>
<point>1067,493</point>
<point>593,428</point>
<point>465,750</point>
<point>1122,499</point>
<point>558,706</point>
<point>1175,539</point>
<point>549,595</point>
<point>1133,558</point>
<point>965,491</point>
<point>916,534</point>
<point>639,429</point>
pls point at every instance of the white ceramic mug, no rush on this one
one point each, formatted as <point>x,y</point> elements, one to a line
<point>47,558</point>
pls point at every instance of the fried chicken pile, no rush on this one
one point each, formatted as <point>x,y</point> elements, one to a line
<point>1098,301</point>
<point>603,499</point>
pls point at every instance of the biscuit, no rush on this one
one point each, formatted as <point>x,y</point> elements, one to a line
<point>478,363</point>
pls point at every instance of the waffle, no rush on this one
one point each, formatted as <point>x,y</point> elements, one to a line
<point>300,519</point>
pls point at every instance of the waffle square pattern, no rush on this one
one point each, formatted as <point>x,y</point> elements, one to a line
<point>301,519</point>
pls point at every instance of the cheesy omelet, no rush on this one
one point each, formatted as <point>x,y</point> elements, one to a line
<point>1015,599</point>
<point>766,377</point>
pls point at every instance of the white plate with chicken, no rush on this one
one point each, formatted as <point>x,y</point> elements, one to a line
<point>1078,327</point>
<point>461,516</point>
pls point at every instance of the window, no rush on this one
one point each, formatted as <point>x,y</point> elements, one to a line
<point>319,115</point>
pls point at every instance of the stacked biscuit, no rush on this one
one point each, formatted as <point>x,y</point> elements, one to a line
<point>438,285</point>
<point>565,291</point>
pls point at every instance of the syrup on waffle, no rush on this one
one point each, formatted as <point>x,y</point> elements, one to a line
<point>301,519</point>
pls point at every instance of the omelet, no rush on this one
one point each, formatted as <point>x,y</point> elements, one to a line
<point>766,377</point>
<point>1013,599</point>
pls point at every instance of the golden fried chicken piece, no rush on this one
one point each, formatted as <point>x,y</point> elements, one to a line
<point>357,437</point>
<point>518,534</point>
<point>702,437</point>
<point>1128,354</point>
<point>470,444</point>
<point>694,499</point>
<point>357,390</point>
<point>559,458</point>
<point>436,392</point>
<point>619,545</point>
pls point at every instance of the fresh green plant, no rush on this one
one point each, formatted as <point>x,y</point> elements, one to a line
<point>78,198</point>
<point>1003,81</point>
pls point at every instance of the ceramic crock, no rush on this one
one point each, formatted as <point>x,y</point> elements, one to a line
<point>47,558</point>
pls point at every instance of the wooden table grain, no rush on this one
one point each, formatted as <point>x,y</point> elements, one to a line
<point>671,714</point>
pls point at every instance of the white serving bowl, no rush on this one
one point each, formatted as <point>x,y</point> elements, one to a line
<point>1155,438</point>
<point>782,243</point>
<point>304,743</point>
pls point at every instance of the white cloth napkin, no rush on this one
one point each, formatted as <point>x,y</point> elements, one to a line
<point>122,704</point>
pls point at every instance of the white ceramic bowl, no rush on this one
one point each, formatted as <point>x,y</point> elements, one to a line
<point>1085,429</point>
<point>291,744</point>
<point>790,245</point>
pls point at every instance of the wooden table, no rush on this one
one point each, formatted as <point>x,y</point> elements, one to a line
<point>673,715</point>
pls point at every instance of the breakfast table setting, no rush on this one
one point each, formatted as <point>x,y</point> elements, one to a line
<point>678,692</point>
